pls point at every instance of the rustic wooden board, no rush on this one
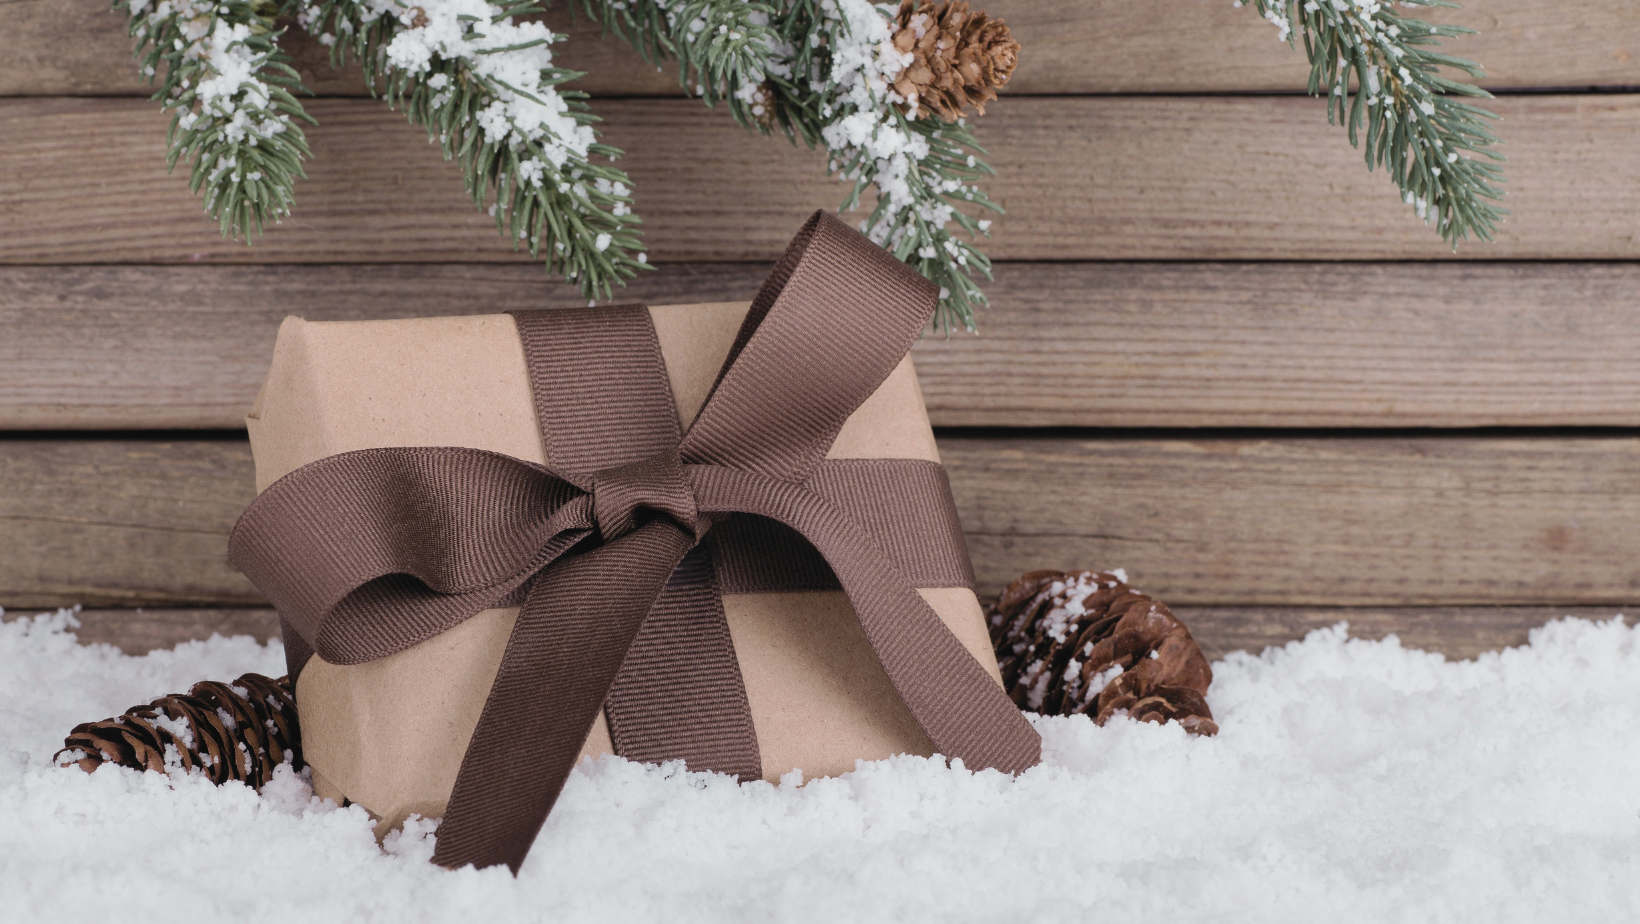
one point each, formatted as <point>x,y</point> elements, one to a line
<point>1349,521</point>
<point>1066,344</point>
<point>1406,521</point>
<point>134,347</point>
<point>1114,46</point>
<point>122,522</point>
<point>1296,345</point>
<point>1455,631</point>
<point>1070,46</point>
<point>1260,178</point>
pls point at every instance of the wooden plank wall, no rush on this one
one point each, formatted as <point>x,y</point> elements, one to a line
<point>1221,355</point>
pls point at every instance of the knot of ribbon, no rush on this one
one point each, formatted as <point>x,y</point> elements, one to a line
<point>626,496</point>
<point>618,550</point>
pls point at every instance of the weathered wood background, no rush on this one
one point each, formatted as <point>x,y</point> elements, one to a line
<point>1221,354</point>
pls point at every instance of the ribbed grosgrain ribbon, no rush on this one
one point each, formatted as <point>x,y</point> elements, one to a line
<point>367,553</point>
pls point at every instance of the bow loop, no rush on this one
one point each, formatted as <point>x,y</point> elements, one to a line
<point>627,496</point>
<point>405,516</point>
<point>784,391</point>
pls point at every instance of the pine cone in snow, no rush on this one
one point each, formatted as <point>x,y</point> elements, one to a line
<point>1086,642</point>
<point>959,58</point>
<point>238,731</point>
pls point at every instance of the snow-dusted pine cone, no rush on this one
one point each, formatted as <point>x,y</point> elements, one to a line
<point>238,731</point>
<point>959,58</point>
<point>1086,642</point>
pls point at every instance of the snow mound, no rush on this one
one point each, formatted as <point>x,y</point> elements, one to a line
<point>1353,781</point>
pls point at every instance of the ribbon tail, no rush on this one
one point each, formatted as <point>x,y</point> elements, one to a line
<point>679,695</point>
<point>964,713</point>
<point>570,639</point>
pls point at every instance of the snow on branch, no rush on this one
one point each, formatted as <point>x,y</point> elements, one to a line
<point>484,86</point>
<point>922,166</point>
<point>233,116</point>
<point>824,72</point>
<point>884,89</point>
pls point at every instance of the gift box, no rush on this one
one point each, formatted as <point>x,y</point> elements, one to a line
<point>725,524</point>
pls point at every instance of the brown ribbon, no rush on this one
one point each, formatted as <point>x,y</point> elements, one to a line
<point>367,553</point>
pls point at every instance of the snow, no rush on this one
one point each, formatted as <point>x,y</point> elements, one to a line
<point>492,45</point>
<point>1352,781</point>
<point>232,99</point>
<point>859,98</point>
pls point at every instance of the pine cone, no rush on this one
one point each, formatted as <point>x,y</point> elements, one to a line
<point>959,58</point>
<point>1086,642</point>
<point>238,731</point>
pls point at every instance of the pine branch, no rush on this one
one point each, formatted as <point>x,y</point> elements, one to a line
<point>921,235</point>
<point>484,87</point>
<point>821,72</point>
<point>229,90</point>
<point>1431,143</point>
<point>841,88</point>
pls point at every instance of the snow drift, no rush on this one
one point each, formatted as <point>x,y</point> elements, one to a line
<point>1352,781</point>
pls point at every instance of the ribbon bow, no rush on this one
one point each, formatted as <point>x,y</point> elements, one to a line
<point>366,553</point>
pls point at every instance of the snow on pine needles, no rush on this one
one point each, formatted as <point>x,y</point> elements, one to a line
<point>1352,781</point>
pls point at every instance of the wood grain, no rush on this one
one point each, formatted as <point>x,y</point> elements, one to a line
<point>1117,46</point>
<point>1295,345</point>
<point>1070,47</point>
<point>137,347</point>
<point>122,522</point>
<point>1347,521</point>
<point>1254,178</point>
<point>1065,344</point>
<point>1455,631</point>
<point>1389,522</point>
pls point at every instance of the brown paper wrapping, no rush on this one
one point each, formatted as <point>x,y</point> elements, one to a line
<point>390,734</point>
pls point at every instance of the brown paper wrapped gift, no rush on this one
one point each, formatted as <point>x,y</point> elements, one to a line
<point>390,731</point>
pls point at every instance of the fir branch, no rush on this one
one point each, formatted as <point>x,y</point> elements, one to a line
<point>484,87</point>
<point>924,168</point>
<point>229,90</point>
<point>797,74</point>
<point>921,235</point>
<point>822,72</point>
<point>1431,143</point>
